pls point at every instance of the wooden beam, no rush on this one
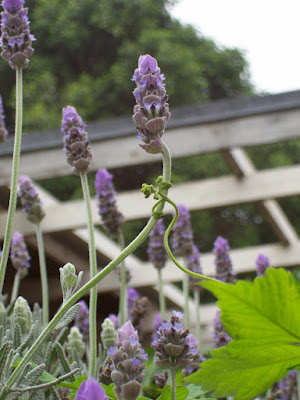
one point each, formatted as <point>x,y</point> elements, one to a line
<point>184,141</point>
<point>207,194</point>
<point>243,167</point>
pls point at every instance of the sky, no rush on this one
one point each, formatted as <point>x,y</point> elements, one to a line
<point>267,31</point>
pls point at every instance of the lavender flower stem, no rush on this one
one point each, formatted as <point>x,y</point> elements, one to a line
<point>123,309</point>
<point>43,272</point>
<point>186,294</point>
<point>90,284</point>
<point>173,382</point>
<point>15,288</point>
<point>198,319</point>
<point>93,273</point>
<point>162,301</point>
<point>14,175</point>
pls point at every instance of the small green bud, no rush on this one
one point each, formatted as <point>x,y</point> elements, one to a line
<point>68,276</point>
<point>108,334</point>
<point>75,340</point>
<point>22,315</point>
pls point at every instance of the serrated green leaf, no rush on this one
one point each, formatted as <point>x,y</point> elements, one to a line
<point>181,393</point>
<point>244,369</point>
<point>266,308</point>
<point>195,392</point>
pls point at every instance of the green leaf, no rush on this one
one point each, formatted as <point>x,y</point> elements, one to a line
<point>195,392</point>
<point>245,369</point>
<point>266,308</point>
<point>109,391</point>
<point>181,393</point>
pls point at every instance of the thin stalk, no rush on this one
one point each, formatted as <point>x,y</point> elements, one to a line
<point>162,301</point>
<point>123,307</point>
<point>91,283</point>
<point>173,383</point>
<point>198,319</point>
<point>14,176</point>
<point>15,288</point>
<point>43,272</point>
<point>93,273</point>
<point>186,294</point>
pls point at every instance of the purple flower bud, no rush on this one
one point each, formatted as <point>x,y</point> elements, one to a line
<point>220,336</point>
<point>112,219</point>
<point>76,145</point>
<point>262,263</point>
<point>127,368</point>
<point>30,200</point>
<point>132,296</point>
<point>19,254</point>
<point>82,320</point>
<point>114,318</point>
<point>193,262</point>
<point>156,249</point>
<point>90,390</point>
<point>197,357</point>
<point>157,323</point>
<point>161,379</point>
<point>171,345</point>
<point>182,234</point>
<point>224,271</point>
<point>151,113</point>
<point>16,38</point>
<point>287,387</point>
<point>3,131</point>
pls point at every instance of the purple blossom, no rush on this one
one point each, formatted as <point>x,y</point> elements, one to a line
<point>193,263</point>
<point>262,263</point>
<point>171,345</point>
<point>112,219</point>
<point>30,200</point>
<point>114,318</point>
<point>220,336</point>
<point>82,320</point>
<point>224,271</point>
<point>287,387</point>
<point>127,367</point>
<point>182,234</point>
<point>19,254</point>
<point>16,38</point>
<point>76,145</point>
<point>3,131</point>
<point>157,323</point>
<point>90,390</point>
<point>156,248</point>
<point>197,357</point>
<point>151,113</point>
<point>132,296</point>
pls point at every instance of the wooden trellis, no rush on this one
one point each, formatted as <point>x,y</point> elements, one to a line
<point>226,126</point>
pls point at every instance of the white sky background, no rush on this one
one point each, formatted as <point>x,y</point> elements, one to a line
<point>268,31</point>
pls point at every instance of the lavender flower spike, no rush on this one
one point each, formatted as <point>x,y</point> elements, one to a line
<point>19,255</point>
<point>193,263</point>
<point>224,271</point>
<point>262,263</point>
<point>76,145</point>
<point>151,113</point>
<point>172,349</point>
<point>127,368</point>
<point>112,219</point>
<point>90,390</point>
<point>182,236</point>
<point>3,131</point>
<point>16,38</point>
<point>82,320</point>
<point>30,200</point>
<point>156,248</point>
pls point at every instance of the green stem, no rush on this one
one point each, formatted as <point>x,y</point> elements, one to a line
<point>93,273</point>
<point>14,176</point>
<point>173,383</point>
<point>186,294</point>
<point>15,288</point>
<point>43,272</point>
<point>123,309</point>
<point>91,283</point>
<point>162,301</point>
<point>198,319</point>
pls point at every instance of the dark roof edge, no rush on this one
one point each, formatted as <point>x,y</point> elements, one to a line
<point>182,116</point>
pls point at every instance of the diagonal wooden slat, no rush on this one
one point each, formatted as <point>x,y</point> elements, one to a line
<point>243,167</point>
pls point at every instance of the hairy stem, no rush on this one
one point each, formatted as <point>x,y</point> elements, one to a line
<point>123,308</point>
<point>198,320</point>
<point>162,301</point>
<point>14,175</point>
<point>43,272</point>
<point>93,273</point>
<point>186,294</point>
<point>173,383</point>
<point>15,288</point>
